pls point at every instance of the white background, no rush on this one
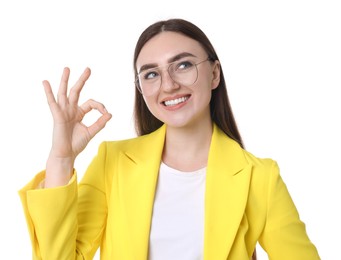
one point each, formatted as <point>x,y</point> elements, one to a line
<point>281,59</point>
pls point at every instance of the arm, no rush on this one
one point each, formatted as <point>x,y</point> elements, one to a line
<point>284,235</point>
<point>70,135</point>
<point>53,213</point>
<point>67,222</point>
<point>51,218</point>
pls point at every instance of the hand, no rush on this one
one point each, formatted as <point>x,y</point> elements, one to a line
<point>70,135</point>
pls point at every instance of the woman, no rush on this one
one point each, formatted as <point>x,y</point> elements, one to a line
<point>184,189</point>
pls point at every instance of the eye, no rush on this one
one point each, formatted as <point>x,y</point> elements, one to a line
<point>183,65</point>
<point>150,74</point>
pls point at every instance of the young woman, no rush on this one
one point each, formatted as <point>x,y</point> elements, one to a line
<point>184,189</point>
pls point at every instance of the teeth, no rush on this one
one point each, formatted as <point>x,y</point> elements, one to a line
<point>175,101</point>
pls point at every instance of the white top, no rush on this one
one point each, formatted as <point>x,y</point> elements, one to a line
<point>177,229</point>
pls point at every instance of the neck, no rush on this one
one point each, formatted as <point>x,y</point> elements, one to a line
<point>186,149</point>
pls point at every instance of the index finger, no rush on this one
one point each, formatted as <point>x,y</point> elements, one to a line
<point>49,93</point>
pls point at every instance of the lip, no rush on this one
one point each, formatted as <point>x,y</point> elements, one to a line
<point>174,107</point>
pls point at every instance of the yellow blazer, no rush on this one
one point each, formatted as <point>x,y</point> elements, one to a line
<point>246,201</point>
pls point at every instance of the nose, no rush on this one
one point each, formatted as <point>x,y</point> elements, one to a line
<point>167,83</point>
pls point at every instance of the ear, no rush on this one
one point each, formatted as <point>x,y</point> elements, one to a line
<point>216,75</point>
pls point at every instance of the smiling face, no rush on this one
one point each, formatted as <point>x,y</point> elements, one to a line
<point>176,102</point>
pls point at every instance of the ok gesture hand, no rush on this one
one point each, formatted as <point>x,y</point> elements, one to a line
<point>70,135</point>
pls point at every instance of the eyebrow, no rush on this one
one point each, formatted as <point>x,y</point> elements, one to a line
<point>173,59</point>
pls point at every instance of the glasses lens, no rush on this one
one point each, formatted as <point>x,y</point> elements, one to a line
<point>183,72</point>
<point>149,81</point>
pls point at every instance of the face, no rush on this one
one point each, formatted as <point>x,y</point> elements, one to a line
<point>178,102</point>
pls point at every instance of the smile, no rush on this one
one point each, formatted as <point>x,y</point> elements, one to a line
<point>175,102</point>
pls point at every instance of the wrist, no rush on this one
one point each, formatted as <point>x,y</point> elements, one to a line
<point>58,171</point>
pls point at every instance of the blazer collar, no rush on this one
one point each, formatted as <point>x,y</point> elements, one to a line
<point>227,182</point>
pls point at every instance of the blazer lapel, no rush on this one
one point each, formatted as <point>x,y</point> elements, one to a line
<point>139,167</point>
<point>227,185</point>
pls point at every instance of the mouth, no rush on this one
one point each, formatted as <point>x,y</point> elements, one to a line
<point>175,101</point>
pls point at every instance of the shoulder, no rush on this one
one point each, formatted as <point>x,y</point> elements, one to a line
<point>226,149</point>
<point>264,169</point>
<point>266,179</point>
<point>260,162</point>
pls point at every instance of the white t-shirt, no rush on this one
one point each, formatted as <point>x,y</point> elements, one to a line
<point>177,229</point>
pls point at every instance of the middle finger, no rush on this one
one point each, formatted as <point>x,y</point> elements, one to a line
<point>76,89</point>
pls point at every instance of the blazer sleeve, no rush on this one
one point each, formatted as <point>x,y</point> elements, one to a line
<point>67,222</point>
<point>284,235</point>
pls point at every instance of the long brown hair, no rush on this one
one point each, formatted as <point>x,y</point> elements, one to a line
<point>220,108</point>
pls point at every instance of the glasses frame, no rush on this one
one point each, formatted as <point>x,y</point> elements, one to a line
<point>137,82</point>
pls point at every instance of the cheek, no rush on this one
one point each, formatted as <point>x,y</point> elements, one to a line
<point>151,103</point>
<point>207,97</point>
<point>205,90</point>
<point>204,95</point>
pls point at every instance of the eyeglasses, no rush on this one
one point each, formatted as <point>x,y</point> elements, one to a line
<point>183,72</point>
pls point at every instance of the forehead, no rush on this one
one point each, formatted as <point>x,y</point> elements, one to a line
<point>166,45</point>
